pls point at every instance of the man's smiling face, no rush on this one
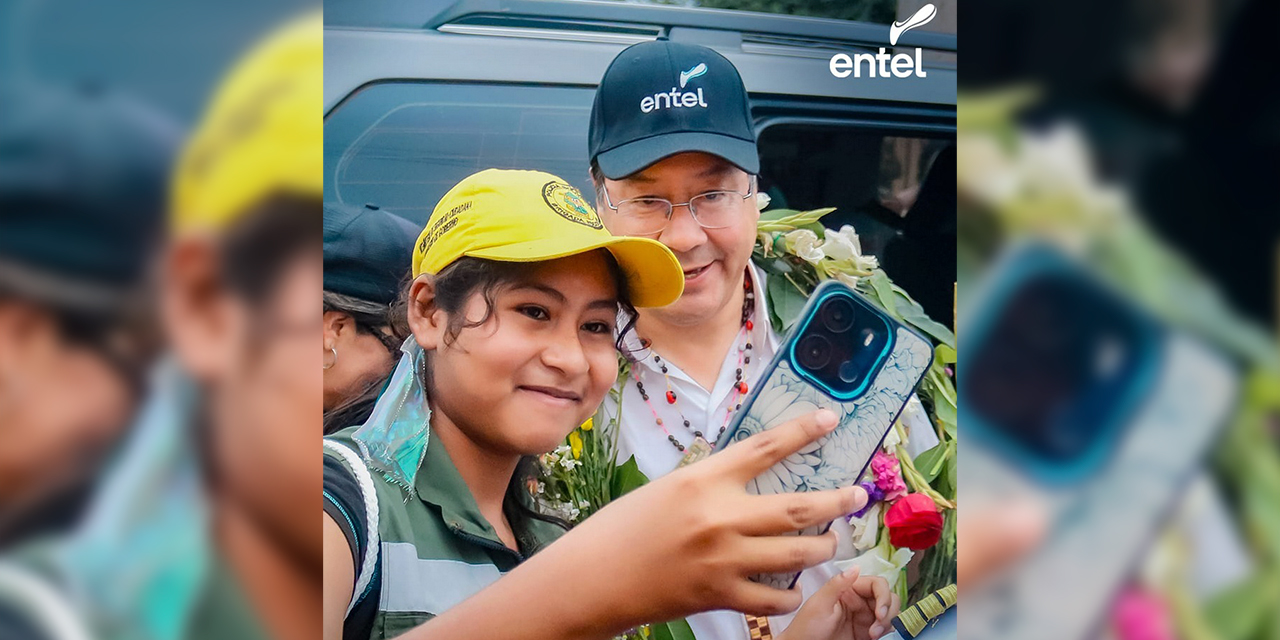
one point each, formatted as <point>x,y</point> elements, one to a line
<point>714,260</point>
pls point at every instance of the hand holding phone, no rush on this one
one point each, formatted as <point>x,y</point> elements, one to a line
<point>846,355</point>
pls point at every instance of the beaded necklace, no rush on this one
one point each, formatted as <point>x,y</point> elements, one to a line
<point>701,446</point>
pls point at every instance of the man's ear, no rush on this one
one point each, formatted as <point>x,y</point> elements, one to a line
<point>199,315</point>
<point>336,326</point>
<point>427,321</point>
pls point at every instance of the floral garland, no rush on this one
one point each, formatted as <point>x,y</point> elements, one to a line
<point>911,506</point>
<point>1014,183</point>
<point>913,500</point>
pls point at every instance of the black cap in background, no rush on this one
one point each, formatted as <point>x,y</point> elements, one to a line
<point>84,175</point>
<point>661,98</point>
<point>367,251</point>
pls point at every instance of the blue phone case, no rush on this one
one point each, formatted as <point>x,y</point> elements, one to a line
<point>1105,504</point>
<point>865,414</point>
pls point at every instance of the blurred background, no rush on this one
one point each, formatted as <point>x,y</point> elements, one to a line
<point>167,54</point>
<point>124,512</point>
<point>1134,144</point>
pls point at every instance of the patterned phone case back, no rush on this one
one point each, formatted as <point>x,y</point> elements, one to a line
<point>839,459</point>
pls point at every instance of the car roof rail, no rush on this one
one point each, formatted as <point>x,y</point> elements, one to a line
<point>645,21</point>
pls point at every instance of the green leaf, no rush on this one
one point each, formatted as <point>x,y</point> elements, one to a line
<point>913,314</point>
<point>627,478</point>
<point>945,354</point>
<point>929,463</point>
<point>674,630</point>
<point>785,301</point>
<point>1236,612</point>
<point>883,292</point>
<point>776,214</point>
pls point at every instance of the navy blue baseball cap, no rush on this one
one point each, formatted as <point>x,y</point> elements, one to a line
<point>367,251</point>
<point>661,98</point>
<point>84,181</point>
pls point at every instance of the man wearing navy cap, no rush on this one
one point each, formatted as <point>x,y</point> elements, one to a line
<point>673,157</point>
<point>365,253</point>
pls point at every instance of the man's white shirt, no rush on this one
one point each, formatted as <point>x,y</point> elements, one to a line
<point>705,410</point>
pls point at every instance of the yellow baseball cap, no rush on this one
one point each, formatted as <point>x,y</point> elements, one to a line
<point>531,216</point>
<point>262,135</point>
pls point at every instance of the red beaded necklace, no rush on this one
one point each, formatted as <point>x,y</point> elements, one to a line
<point>739,388</point>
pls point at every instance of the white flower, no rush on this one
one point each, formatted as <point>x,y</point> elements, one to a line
<point>852,281</point>
<point>804,243</point>
<point>875,563</point>
<point>762,200</point>
<point>542,488</point>
<point>985,171</point>
<point>845,246</point>
<point>569,463</point>
<point>891,440</point>
<point>583,504</point>
<point>866,529</point>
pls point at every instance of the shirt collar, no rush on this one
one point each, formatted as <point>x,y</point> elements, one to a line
<point>439,483</point>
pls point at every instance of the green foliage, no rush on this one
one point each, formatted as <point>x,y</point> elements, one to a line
<point>627,478</point>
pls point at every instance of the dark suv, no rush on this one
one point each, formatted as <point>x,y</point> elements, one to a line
<point>416,101</point>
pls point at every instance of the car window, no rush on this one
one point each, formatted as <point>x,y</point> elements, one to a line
<point>896,189</point>
<point>870,177</point>
<point>402,145</point>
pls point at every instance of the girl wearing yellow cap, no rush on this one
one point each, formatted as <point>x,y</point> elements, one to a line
<point>513,312</point>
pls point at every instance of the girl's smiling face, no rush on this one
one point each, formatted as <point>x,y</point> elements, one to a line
<point>518,379</point>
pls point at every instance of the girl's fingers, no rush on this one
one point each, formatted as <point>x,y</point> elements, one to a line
<point>874,589</point>
<point>753,456</point>
<point>788,554</point>
<point>831,592</point>
<point>788,512</point>
<point>757,599</point>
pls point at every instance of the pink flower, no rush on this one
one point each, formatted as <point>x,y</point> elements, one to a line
<point>888,475</point>
<point>1142,615</point>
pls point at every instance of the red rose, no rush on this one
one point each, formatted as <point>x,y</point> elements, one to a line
<point>914,522</point>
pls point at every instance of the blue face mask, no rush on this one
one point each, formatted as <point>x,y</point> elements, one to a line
<point>394,438</point>
<point>137,564</point>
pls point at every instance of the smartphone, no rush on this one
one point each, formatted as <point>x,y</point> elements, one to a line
<point>843,354</point>
<point>1075,399</point>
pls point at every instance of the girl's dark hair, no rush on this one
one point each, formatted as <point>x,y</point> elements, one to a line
<point>373,319</point>
<point>258,247</point>
<point>454,286</point>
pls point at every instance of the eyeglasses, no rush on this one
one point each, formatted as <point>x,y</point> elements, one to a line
<point>711,210</point>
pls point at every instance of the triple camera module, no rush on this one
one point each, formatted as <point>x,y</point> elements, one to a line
<point>842,345</point>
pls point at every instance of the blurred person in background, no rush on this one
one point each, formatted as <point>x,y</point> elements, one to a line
<point>1178,104</point>
<point>365,253</point>
<point>83,180</point>
<point>197,531</point>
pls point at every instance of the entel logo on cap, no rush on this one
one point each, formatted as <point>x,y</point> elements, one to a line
<point>842,66</point>
<point>675,99</point>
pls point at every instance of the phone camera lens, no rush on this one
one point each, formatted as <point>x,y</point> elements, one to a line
<point>837,315</point>
<point>814,352</point>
